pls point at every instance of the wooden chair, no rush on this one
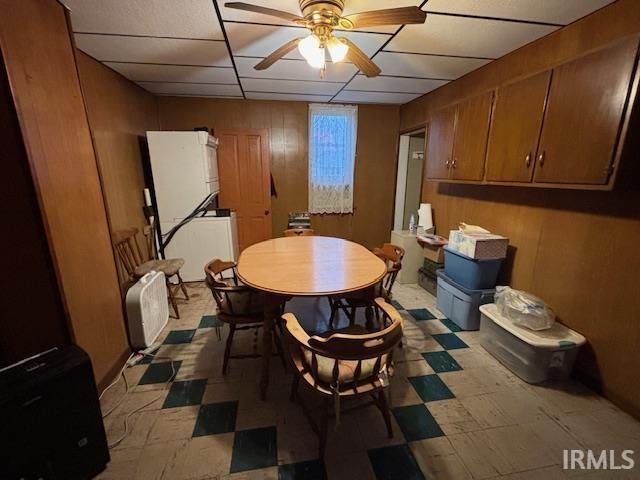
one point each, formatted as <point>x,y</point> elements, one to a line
<point>125,243</point>
<point>239,306</point>
<point>344,366</point>
<point>298,232</point>
<point>392,255</point>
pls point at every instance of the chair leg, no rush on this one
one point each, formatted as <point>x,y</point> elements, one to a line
<point>182,286</point>
<point>294,387</point>
<point>172,299</point>
<point>276,340</point>
<point>324,423</point>
<point>352,316</point>
<point>227,349</point>
<point>384,408</point>
<point>368,315</point>
<point>334,310</point>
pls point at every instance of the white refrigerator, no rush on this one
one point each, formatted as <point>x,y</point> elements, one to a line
<point>184,167</point>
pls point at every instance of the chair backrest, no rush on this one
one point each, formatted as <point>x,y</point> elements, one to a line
<point>392,256</point>
<point>366,356</point>
<point>231,300</point>
<point>125,243</point>
<point>298,232</point>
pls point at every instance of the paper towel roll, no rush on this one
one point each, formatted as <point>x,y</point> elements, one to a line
<point>147,197</point>
<point>425,219</point>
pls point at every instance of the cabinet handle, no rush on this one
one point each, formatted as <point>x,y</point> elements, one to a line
<point>541,158</point>
<point>447,163</point>
<point>527,160</point>
<point>455,161</point>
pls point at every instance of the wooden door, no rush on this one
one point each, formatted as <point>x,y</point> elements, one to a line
<point>470,140</point>
<point>515,129</point>
<point>440,143</point>
<point>586,102</point>
<point>245,182</point>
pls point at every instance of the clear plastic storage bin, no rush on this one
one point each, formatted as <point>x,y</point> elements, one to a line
<point>533,355</point>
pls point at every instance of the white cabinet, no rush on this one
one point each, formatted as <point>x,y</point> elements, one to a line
<point>413,258</point>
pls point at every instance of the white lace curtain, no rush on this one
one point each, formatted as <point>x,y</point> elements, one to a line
<point>332,151</point>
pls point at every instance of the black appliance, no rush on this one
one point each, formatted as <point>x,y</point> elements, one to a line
<point>50,420</point>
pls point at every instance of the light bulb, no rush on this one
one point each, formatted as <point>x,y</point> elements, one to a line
<point>317,58</point>
<point>337,49</point>
<point>308,45</point>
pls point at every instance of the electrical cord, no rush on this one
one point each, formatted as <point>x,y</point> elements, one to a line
<point>116,442</point>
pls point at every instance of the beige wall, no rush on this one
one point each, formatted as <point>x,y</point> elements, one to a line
<point>577,250</point>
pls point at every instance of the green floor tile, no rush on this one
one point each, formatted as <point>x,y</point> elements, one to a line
<point>421,314</point>
<point>449,341</point>
<point>397,305</point>
<point>186,393</point>
<point>209,321</point>
<point>216,418</point>
<point>179,336</point>
<point>416,422</point>
<point>253,449</point>
<point>395,463</point>
<point>431,388</point>
<point>450,324</point>
<point>441,362</point>
<point>159,372</point>
<point>311,470</point>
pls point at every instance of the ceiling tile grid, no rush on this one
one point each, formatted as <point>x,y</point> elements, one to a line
<point>202,48</point>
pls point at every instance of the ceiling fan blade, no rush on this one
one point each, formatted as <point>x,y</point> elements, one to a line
<point>264,10</point>
<point>278,54</point>
<point>360,59</point>
<point>391,16</point>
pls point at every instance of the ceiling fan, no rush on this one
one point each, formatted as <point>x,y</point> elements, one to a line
<point>321,17</point>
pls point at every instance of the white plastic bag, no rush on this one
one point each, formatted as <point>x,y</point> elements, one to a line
<point>524,309</point>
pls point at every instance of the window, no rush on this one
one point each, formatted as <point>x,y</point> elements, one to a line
<point>332,151</point>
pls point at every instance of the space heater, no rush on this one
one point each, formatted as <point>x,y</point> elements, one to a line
<point>147,309</point>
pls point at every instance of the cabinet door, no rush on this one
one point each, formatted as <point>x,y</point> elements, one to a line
<point>470,142</point>
<point>584,110</point>
<point>515,129</point>
<point>440,144</point>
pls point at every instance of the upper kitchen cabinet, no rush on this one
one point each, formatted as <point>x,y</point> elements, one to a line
<point>584,115</point>
<point>515,129</point>
<point>440,143</point>
<point>470,139</point>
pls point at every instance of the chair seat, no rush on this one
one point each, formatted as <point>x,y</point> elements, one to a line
<point>169,267</point>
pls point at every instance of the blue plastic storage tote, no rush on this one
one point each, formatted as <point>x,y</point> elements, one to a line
<point>471,273</point>
<point>461,305</point>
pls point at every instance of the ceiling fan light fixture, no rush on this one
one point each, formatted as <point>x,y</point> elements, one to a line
<point>310,49</point>
<point>337,49</point>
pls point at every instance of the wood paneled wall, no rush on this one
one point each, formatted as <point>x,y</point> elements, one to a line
<point>120,113</point>
<point>577,250</point>
<point>287,122</point>
<point>39,55</point>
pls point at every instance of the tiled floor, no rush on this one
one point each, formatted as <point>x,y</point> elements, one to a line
<point>457,413</point>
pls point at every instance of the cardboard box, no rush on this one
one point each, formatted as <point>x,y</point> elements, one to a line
<point>435,253</point>
<point>478,245</point>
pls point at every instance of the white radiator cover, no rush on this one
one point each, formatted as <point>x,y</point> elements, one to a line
<point>147,309</point>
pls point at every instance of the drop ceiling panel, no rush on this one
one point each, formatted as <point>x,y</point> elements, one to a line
<point>548,11</point>
<point>161,18</point>
<point>393,84</point>
<point>468,37</point>
<point>288,96</point>
<point>374,97</point>
<point>295,70</point>
<point>154,50</point>
<point>292,6</point>
<point>191,88</point>
<point>426,66</point>
<point>174,73</point>
<point>290,86</point>
<point>262,40</point>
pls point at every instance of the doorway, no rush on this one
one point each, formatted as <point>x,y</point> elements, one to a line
<point>409,178</point>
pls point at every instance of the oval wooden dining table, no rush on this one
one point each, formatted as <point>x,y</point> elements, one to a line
<point>311,266</point>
